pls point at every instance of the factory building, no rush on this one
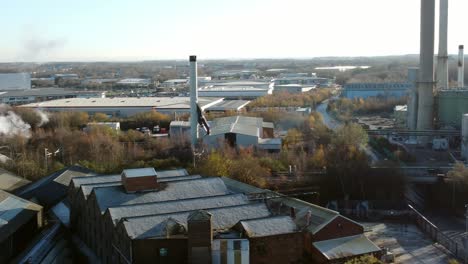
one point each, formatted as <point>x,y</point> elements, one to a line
<point>20,97</point>
<point>306,81</point>
<point>15,81</point>
<point>365,90</point>
<point>148,216</point>
<point>243,131</point>
<point>452,104</point>
<point>19,220</point>
<point>464,134</point>
<point>123,107</point>
<point>234,92</point>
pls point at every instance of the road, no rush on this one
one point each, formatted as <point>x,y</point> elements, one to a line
<point>334,124</point>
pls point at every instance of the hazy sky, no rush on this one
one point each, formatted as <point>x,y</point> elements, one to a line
<point>57,30</point>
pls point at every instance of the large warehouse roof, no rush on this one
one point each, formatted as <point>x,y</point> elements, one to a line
<point>157,102</point>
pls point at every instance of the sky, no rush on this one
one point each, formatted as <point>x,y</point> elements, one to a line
<point>118,30</point>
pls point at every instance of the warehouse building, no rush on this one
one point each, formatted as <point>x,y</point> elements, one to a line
<point>292,88</point>
<point>148,216</point>
<point>20,97</point>
<point>305,81</point>
<point>243,131</point>
<point>15,81</point>
<point>124,106</point>
<point>19,220</point>
<point>364,90</point>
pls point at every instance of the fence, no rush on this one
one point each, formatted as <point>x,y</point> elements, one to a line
<point>436,235</point>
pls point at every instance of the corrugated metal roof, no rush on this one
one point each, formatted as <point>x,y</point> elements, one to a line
<point>115,195</point>
<point>269,226</point>
<point>346,246</point>
<point>229,105</point>
<point>237,124</point>
<point>176,206</point>
<point>10,182</point>
<point>223,218</point>
<point>321,216</point>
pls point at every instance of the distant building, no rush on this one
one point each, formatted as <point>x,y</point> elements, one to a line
<point>124,106</point>
<point>292,88</point>
<point>234,92</point>
<point>20,220</point>
<point>134,83</point>
<point>243,131</point>
<point>175,83</point>
<point>364,90</point>
<point>15,81</point>
<point>45,94</point>
<point>113,125</point>
<point>304,81</point>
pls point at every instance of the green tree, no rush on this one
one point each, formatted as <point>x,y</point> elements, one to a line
<point>367,259</point>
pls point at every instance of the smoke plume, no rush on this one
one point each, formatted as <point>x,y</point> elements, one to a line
<point>11,124</point>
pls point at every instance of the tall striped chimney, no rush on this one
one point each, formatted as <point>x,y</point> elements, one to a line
<point>461,67</point>
<point>193,101</point>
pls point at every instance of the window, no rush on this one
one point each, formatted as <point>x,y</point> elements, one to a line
<point>163,252</point>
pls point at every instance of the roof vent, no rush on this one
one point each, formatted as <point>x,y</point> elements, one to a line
<point>139,180</point>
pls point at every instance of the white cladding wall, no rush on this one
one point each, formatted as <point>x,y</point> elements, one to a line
<point>229,248</point>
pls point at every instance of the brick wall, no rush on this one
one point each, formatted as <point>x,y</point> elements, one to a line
<point>339,227</point>
<point>287,248</point>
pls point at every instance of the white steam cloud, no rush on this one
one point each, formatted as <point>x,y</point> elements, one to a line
<point>11,124</point>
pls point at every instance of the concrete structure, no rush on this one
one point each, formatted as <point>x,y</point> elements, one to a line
<point>124,106</point>
<point>45,94</point>
<point>452,105</point>
<point>189,219</point>
<point>426,67</point>
<point>19,220</point>
<point>242,131</point>
<point>193,101</point>
<point>442,56</point>
<point>464,135</point>
<point>400,113</point>
<point>413,74</point>
<point>15,81</point>
<point>365,90</point>
<point>461,67</point>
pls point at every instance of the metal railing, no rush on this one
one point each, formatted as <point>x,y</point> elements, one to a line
<point>436,235</point>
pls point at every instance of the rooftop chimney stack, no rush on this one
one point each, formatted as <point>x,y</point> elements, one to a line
<point>193,101</point>
<point>461,67</point>
<point>426,66</point>
<point>442,57</point>
<point>139,180</point>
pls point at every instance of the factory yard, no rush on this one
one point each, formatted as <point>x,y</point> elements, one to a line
<point>407,243</point>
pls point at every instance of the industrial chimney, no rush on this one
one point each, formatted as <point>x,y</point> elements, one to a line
<point>442,57</point>
<point>461,67</point>
<point>193,101</point>
<point>426,66</point>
